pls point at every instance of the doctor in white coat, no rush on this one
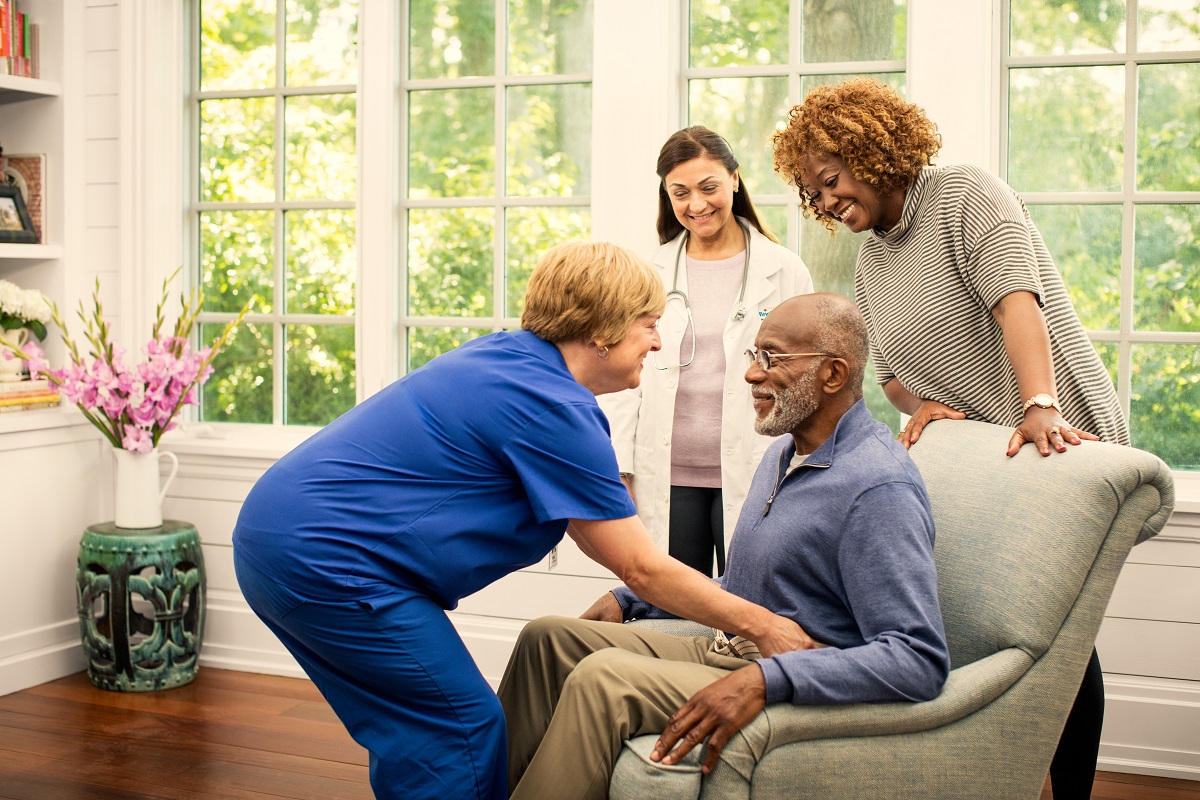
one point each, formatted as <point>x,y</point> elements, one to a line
<point>685,439</point>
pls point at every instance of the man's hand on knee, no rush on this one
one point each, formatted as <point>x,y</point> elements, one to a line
<point>605,609</point>
<point>716,712</point>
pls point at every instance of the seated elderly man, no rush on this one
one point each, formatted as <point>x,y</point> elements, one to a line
<point>835,534</point>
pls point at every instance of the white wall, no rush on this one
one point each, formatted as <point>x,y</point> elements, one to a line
<point>1150,643</point>
<point>55,473</point>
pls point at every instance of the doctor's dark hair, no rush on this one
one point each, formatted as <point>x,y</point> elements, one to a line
<point>685,145</point>
<point>588,291</point>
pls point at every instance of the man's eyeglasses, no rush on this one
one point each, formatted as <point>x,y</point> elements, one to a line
<point>765,358</point>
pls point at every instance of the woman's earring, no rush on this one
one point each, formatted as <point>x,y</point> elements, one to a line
<point>604,354</point>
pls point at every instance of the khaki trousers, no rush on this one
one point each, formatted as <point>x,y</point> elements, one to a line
<point>574,690</point>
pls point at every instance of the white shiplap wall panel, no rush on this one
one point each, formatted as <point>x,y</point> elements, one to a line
<point>102,113</point>
<point>528,594</point>
<point>1149,648</point>
<point>103,165</point>
<point>101,199</point>
<point>103,25</point>
<point>218,568</point>
<point>101,246</point>
<point>52,492</point>
<point>1156,592</point>
<point>214,520</point>
<point>102,73</point>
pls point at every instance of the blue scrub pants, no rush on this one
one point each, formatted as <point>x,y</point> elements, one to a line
<point>400,679</point>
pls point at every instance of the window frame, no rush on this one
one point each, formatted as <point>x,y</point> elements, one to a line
<point>1128,198</point>
<point>279,319</point>
<point>795,71</point>
<point>499,201</point>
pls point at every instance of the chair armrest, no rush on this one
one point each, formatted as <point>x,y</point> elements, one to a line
<point>968,689</point>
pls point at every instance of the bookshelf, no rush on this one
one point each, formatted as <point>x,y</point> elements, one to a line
<point>46,115</point>
<point>14,89</point>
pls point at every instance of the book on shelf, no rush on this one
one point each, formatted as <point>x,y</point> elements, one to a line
<point>29,397</point>
<point>27,172</point>
<point>25,387</point>
<point>27,407</point>
<point>36,396</point>
<point>5,35</point>
<point>20,42</point>
<point>48,400</point>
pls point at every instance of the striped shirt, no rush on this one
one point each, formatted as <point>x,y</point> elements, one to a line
<point>926,289</point>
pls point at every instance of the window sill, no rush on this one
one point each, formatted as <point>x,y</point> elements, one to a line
<point>1187,492</point>
<point>235,441</point>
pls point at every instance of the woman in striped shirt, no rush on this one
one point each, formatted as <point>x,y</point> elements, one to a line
<point>967,313</point>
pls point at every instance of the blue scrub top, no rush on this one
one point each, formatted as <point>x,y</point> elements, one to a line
<point>455,475</point>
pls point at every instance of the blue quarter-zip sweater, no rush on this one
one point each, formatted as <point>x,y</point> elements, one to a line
<point>844,546</point>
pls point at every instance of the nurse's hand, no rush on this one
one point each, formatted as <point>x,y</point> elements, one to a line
<point>782,635</point>
<point>606,609</point>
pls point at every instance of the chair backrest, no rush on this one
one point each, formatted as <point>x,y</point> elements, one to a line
<point>1017,536</point>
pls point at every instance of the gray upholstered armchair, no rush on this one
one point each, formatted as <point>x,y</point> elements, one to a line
<point>1028,550</point>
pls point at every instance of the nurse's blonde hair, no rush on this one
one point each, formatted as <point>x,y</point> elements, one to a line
<point>584,291</point>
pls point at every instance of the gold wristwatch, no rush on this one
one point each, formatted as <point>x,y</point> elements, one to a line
<point>1041,400</point>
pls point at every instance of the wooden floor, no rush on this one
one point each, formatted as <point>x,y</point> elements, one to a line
<point>233,735</point>
<point>225,735</point>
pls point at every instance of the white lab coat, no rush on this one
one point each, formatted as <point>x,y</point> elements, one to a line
<point>641,419</point>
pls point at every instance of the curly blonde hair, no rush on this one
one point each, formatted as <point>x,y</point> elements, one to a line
<point>885,140</point>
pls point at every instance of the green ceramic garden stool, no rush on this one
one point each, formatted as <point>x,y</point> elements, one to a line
<point>141,605</point>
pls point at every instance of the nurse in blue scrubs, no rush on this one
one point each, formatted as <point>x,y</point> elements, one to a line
<point>353,546</point>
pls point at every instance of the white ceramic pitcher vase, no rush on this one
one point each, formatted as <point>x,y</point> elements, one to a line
<point>140,492</point>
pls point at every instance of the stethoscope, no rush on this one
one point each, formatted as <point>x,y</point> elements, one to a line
<point>678,294</point>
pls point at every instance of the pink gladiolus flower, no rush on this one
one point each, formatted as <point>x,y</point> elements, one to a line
<point>137,440</point>
<point>134,403</point>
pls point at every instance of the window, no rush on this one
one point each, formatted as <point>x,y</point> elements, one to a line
<point>272,215</point>
<point>744,71</point>
<point>1103,143</point>
<point>497,99</point>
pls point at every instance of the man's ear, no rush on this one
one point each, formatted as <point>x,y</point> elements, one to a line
<point>836,373</point>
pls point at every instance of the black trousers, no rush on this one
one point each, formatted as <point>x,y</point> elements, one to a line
<point>697,528</point>
<point>1074,766</point>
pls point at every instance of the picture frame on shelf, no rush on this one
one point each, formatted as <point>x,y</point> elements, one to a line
<point>27,171</point>
<point>15,224</point>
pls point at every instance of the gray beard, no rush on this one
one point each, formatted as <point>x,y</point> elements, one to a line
<point>791,407</point>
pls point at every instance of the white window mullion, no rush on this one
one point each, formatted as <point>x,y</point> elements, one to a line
<point>279,340</point>
<point>636,105</point>
<point>501,160</point>
<point>380,175</point>
<point>950,69</point>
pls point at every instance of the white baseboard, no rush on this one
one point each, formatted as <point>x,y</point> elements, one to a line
<point>1151,727</point>
<point>1160,769</point>
<point>45,662</point>
<point>242,660</point>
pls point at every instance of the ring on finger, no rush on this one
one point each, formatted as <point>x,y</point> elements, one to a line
<point>1055,432</point>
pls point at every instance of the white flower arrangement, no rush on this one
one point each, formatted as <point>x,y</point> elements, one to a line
<point>23,308</point>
